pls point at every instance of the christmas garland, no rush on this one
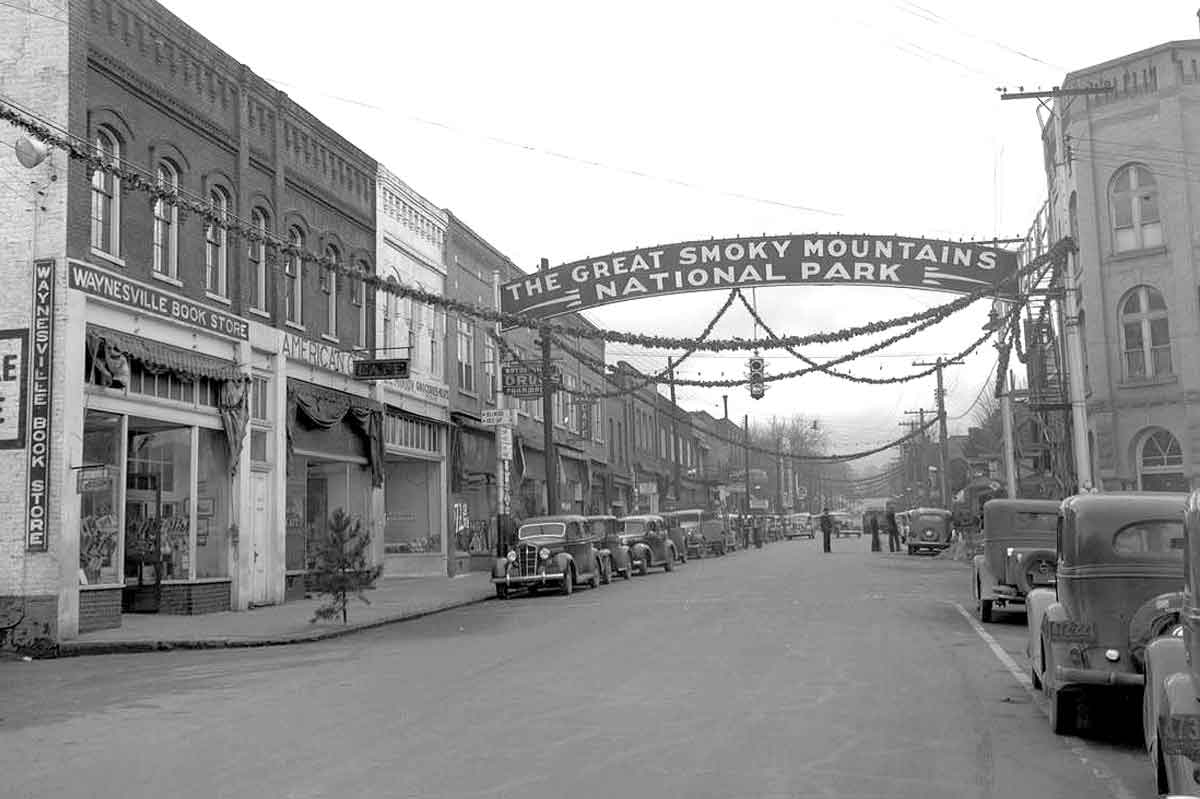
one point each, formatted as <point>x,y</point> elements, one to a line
<point>82,150</point>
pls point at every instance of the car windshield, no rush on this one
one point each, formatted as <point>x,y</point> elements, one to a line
<point>930,521</point>
<point>598,528</point>
<point>557,529</point>
<point>1037,521</point>
<point>1158,537</point>
<point>633,527</point>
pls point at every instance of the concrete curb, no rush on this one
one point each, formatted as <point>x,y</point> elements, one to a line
<point>86,648</point>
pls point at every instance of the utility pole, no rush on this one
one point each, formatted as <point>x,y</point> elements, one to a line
<point>1076,386</point>
<point>944,444</point>
<point>746,449</point>
<point>1010,449</point>
<point>548,418</point>
<point>503,444</point>
<point>917,472</point>
<point>779,477</point>
<point>674,435</point>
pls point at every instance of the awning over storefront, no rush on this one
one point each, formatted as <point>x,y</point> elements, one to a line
<point>111,352</point>
<point>107,347</point>
<point>322,408</point>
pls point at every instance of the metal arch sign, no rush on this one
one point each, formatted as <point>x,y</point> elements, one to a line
<point>821,259</point>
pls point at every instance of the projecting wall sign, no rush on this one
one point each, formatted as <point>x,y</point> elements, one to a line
<point>824,259</point>
<point>41,397</point>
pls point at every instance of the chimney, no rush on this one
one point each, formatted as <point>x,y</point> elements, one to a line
<point>545,262</point>
<point>725,397</point>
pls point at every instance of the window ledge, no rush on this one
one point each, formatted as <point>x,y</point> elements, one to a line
<point>1133,255</point>
<point>259,312</point>
<point>330,339</point>
<point>295,326</point>
<point>167,279</point>
<point>1148,381</point>
<point>218,298</point>
<point>108,257</point>
<point>467,393</point>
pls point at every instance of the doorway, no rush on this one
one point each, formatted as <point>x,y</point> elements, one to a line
<point>260,536</point>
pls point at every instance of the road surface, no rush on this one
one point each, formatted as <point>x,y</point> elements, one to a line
<point>774,673</point>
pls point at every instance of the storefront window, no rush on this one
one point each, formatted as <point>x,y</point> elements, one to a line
<point>316,490</point>
<point>212,506</point>
<point>157,497</point>
<point>99,499</point>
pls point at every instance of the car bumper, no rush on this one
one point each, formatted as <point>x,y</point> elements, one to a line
<point>534,579</point>
<point>1066,675</point>
<point>928,544</point>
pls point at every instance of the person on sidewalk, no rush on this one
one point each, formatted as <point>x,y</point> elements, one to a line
<point>893,531</point>
<point>873,529</point>
<point>826,528</point>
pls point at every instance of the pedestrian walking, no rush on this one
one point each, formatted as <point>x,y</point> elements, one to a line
<point>826,528</point>
<point>873,527</point>
<point>893,531</point>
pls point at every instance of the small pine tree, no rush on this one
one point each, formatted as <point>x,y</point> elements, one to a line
<point>342,566</point>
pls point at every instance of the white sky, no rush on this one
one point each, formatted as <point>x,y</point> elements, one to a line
<point>884,114</point>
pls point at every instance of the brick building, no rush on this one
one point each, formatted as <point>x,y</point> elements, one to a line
<point>1119,185</point>
<point>203,419</point>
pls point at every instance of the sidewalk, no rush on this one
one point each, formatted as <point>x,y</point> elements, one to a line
<point>393,599</point>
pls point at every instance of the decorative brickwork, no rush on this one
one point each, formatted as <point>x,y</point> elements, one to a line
<point>189,599</point>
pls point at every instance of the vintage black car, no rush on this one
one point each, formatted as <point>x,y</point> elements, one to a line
<point>613,552</point>
<point>650,544</point>
<point>930,529</point>
<point>1117,587</point>
<point>1019,555</point>
<point>550,551</point>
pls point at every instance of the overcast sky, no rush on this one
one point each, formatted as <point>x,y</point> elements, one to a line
<point>781,117</point>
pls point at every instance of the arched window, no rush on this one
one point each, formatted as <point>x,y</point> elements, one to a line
<point>1160,463</point>
<point>166,223</point>
<point>256,255</point>
<point>330,285</point>
<point>360,303</point>
<point>106,196</point>
<point>216,253</point>
<point>1145,334</point>
<point>294,297</point>
<point>1135,218</point>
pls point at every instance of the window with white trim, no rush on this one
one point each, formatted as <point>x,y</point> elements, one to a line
<point>256,256</point>
<point>216,239</point>
<point>1136,222</point>
<point>466,355</point>
<point>106,195</point>
<point>329,284</point>
<point>1145,334</point>
<point>294,295</point>
<point>360,302</point>
<point>166,223</point>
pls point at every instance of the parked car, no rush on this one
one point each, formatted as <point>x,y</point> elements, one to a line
<point>613,552</point>
<point>689,538</point>
<point>1118,579</point>
<point>649,543</point>
<point>717,536</point>
<point>903,523</point>
<point>929,530</point>
<point>677,531</point>
<point>1172,690</point>
<point>550,551</point>
<point>1019,553</point>
<point>845,525</point>
<point>800,526</point>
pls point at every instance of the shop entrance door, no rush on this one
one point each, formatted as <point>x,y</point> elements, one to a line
<point>259,540</point>
<point>317,511</point>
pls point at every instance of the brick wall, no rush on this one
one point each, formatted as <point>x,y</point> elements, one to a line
<point>189,599</point>
<point>99,609</point>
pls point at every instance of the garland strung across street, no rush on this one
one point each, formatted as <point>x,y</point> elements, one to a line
<point>82,150</point>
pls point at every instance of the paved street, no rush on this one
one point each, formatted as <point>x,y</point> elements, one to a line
<point>773,673</point>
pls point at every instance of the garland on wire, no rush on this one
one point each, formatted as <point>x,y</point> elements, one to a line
<point>826,367</point>
<point>81,150</point>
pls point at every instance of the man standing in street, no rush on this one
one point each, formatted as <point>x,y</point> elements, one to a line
<point>893,531</point>
<point>873,529</point>
<point>826,527</point>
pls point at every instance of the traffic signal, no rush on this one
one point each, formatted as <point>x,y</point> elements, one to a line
<point>757,389</point>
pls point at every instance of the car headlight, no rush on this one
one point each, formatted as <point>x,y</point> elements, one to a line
<point>1008,552</point>
<point>1176,631</point>
<point>1112,655</point>
<point>512,556</point>
<point>543,553</point>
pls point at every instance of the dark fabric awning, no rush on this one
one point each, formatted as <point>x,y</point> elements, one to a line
<point>157,357</point>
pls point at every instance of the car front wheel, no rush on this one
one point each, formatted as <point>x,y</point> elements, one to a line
<point>568,582</point>
<point>1062,712</point>
<point>501,592</point>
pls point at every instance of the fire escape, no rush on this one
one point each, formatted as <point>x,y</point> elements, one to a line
<point>1049,403</point>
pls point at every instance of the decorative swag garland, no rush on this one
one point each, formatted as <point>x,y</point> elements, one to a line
<point>83,151</point>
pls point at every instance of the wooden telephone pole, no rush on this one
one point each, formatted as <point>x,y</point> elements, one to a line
<point>944,443</point>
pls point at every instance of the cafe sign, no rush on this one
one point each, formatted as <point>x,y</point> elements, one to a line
<point>823,259</point>
<point>318,354</point>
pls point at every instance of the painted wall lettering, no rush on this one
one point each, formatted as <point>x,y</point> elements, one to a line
<point>14,360</point>
<point>41,397</point>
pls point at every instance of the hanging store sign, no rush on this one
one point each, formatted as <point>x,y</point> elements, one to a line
<point>137,297</point>
<point>14,359</point>
<point>524,382</point>
<point>381,369</point>
<point>897,261</point>
<point>499,416</point>
<point>41,396</point>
